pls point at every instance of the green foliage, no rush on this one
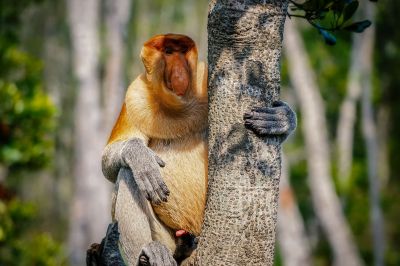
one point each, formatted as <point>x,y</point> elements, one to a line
<point>328,16</point>
<point>19,243</point>
<point>27,115</point>
<point>27,123</point>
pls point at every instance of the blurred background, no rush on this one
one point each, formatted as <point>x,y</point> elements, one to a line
<point>64,67</point>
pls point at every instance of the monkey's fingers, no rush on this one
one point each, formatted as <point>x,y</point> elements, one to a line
<point>159,187</point>
<point>151,191</point>
<point>143,261</point>
<point>159,161</point>
<point>140,182</point>
<point>264,128</point>
<point>156,253</point>
<point>261,115</point>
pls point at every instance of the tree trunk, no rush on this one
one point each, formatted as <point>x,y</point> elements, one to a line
<point>117,17</point>
<point>292,238</point>
<point>326,202</point>
<point>348,110</point>
<point>371,143</point>
<point>90,207</point>
<point>245,40</point>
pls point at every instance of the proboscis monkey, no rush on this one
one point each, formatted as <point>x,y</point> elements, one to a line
<point>160,140</point>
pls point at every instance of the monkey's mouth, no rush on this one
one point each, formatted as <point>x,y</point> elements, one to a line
<point>174,91</point>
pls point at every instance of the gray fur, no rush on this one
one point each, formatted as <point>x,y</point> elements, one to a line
<point>279,120</point>
<point>143,163</point>
<point>156,254</point>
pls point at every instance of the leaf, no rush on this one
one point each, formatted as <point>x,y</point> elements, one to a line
<point>310,5</point>
<point>349,10</point>
<point>338,6</point>
<point>328,37</point>
<point>359,26</point>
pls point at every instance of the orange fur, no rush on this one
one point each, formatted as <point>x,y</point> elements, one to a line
<point>174,127</point>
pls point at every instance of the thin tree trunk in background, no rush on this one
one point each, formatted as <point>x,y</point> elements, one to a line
<point>57,82</point>
<point>383,123</point>
<point>348,110</point>
<point>326,202</point>
<point>292,237</point>
<point>245,39</point>
<point>90,205</point>
<point>371,143</point>
<point>117,17</point>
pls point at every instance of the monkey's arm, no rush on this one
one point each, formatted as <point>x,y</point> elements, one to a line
<point>127,148</point>
<point>279,120</point>
<point>143,163</point>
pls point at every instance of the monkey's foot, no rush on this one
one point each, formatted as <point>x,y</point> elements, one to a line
<point>156,254</point>
<point>186,243</point>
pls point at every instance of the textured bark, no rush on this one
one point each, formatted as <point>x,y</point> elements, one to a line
<point>245,40</point>
<point>90,204</point>
<point>371,142</point>
<point>292,237</point>
<point>325,200</point>
<point>117,17</point>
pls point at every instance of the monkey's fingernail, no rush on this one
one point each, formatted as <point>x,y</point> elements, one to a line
<point>246,115</point>
<point>157,202</point>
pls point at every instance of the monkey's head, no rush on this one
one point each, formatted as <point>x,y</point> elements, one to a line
<point>170,61</point>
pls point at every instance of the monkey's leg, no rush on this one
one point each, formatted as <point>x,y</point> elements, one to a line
<point>138,225</point>
<point>279,120</point>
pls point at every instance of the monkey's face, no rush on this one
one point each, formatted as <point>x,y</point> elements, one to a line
<point>176,71</point>
<point>170,61</point>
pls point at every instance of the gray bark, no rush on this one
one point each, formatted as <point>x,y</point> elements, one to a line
<point>90,205</point>
<point>117,17</point>
<point>292,237</point>
<point>371,143</point>
<point>245,40</point>
<point>325,200</point>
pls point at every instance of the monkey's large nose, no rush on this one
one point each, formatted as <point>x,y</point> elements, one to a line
<point>179,80</point>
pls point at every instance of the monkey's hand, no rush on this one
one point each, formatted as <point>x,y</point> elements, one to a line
<point>156,254</point>
<point>144,164</point>
<point>279,120</point>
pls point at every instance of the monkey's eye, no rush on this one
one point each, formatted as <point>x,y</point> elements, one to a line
<point>168,50</point>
